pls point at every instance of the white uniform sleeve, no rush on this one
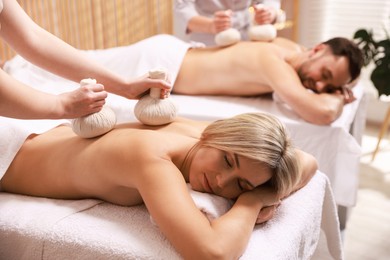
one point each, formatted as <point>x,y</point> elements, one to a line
<point>183,11</point>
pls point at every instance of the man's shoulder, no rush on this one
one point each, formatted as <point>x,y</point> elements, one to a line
<point>288,44</point>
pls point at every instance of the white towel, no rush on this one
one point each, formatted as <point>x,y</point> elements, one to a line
<point>14,132</point>
<point>211,205</point>
<point>23,219</point>
<point>36,228</point>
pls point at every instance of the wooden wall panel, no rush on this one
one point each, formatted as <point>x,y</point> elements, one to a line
<point>97,24</point>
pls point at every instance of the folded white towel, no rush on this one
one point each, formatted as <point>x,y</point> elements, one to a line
<point>211,205</point>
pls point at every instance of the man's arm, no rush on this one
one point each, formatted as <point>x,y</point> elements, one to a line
<point>320,109</point>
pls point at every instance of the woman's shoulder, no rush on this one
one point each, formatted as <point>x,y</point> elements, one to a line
<point>150,137</point>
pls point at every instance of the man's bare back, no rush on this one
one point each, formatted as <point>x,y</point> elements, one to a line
<point>236,70</point>
<point>282,67</point>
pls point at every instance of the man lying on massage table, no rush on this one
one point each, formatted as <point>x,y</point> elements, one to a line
<point>247,158</point>
<point>283,67</point>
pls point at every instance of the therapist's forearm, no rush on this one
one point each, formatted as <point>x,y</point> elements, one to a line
<point>64,60</point>
<point>200,24</point>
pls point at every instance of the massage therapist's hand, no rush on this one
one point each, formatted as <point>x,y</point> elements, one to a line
<point>264,14</point>
<point>140,86</point>
<point>83,101</point>
<point>221,21</point>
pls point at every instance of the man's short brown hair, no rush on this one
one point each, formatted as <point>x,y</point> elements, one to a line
<point>344,47</point>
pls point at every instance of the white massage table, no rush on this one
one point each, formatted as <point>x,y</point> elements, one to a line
<point>306,225</point>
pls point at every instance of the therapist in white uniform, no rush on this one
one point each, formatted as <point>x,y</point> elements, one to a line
<point>199,20</point>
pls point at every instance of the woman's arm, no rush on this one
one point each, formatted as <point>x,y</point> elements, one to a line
<point>49,52</point>
<point>308,165</point>
<point>166,196</point>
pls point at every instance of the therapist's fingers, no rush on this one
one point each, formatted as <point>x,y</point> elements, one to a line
<point>165,93</point>
<point>83,101</point>
<point>94,94</point>
<point>141,86</point>
<point>264,14</point>
<point>262,17</point>
<point>222,20</point>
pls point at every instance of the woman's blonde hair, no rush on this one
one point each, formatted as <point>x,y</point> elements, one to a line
<point>260,137</point>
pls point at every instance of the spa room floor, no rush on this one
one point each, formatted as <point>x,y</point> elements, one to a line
<point>367,235</point>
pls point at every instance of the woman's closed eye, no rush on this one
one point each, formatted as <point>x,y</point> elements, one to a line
<point>228,163</point>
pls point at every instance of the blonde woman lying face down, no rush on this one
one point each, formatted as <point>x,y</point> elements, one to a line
<point>247,158</point>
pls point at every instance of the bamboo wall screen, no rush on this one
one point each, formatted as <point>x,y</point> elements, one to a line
<point>97,24</point>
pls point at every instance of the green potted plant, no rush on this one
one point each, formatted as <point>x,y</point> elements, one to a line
<point>377,52</point>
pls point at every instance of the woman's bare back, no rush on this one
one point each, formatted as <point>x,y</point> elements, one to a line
<point>59,164</point>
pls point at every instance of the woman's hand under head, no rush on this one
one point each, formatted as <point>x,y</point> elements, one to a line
<point>270,200</point>
<point>266,214</point>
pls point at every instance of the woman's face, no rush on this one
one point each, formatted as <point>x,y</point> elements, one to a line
<point>225,174</point>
